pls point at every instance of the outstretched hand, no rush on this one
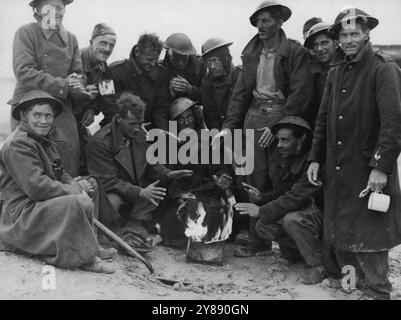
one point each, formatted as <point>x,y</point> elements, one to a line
<point>153,193</point>
<point>254,194</point>
<point>174,175</point>
<point>248,209</point>
<point>267,137</point>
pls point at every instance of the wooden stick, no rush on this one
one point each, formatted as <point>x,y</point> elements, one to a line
<point>131,252</point>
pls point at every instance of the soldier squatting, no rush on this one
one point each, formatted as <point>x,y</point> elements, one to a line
<point>325,123</point>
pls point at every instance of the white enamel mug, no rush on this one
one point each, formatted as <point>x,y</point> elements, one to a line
<point>379,202</point>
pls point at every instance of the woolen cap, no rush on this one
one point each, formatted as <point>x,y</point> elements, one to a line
<point>102,29</point>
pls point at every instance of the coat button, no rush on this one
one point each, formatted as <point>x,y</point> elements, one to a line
<point>350,67</point>
<point>344,91</point>
<point>338,168</point>
<point>339,143</point>
<point>340,117</point>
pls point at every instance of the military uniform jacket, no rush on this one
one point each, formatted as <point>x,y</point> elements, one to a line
<point>291,188</point>
<point>320,73</point>
<point>102,103</point>
<point>215,97</point>
<point>359,128</point>
<point>152,88</point>
<point>292,76</point>
<point>120,164</point>
<point>192,73</point>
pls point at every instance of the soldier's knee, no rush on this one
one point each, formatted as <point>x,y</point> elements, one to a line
<point>291,221</point>
<point>84,202</point>
<point>115,201</point>
<point>264,231</point>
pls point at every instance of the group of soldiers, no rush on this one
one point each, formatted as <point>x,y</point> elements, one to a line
<point>326,117</point>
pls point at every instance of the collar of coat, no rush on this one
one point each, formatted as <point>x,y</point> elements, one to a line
<point>86,61</point>
<point>49,33</point>
<point>154,74</point>
<point>341,58</point>
<point>255,46</point>
<point>297,164</point>
<point>45,142</point>
<point>118,140</point>
<point>317,67</point>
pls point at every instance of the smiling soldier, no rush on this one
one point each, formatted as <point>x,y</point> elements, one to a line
<point>357,137</point>
<point>100,82</point>
<point>291,214</point>
<point>324,48</point>
<point>44,212</point>
<point>46,57</point>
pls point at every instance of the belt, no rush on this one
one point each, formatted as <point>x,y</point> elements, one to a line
<point>267,106</point>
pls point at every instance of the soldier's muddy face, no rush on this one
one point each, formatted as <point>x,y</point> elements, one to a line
<point>147,59</point>
<point>38,119</point>
<point>186,120</point>
<point>288,145</point>
<point>352,40</point>
<point>102,47</point>
<point>179,61</point>
<point>215,67</point>
<point>267,25</point>
<point>131,125</point>
<point>324,48</point>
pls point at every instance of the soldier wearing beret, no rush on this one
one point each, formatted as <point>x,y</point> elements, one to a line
<point>100,82</point>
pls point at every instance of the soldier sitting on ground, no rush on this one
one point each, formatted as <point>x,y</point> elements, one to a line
<point>45,212</point>
<point>117,156</point>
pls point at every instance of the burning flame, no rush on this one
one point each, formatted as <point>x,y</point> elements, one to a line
<point>198,232</point>
<point>195,229</point>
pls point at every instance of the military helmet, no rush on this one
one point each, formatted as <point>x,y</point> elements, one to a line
<point>213,44</point>
<point>346,16</point>
<point>35,3</point>
<point>285,11</point>
<point>179,106</point>
<point>37,96</point>
<point>292,120</point>
<point>319,28</point>
<point>180,43</point>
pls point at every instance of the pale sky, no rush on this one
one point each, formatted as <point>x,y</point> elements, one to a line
<point>199,19</point>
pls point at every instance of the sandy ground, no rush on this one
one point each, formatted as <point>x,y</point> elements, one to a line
<point>259,278</point>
